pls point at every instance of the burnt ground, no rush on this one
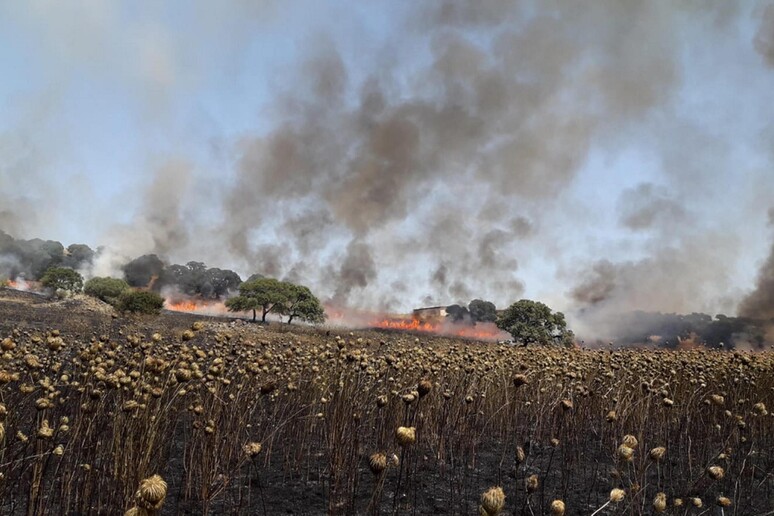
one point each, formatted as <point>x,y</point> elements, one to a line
<point>429,484</point>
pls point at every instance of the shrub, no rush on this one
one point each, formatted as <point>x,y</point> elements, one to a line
<point>140,301</point>
<point>106,289</point>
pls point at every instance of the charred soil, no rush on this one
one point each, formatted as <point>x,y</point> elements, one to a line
<point>94,401</point>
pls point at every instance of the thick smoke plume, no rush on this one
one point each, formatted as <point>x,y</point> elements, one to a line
<point>759,304</point>
<point>567,151</point>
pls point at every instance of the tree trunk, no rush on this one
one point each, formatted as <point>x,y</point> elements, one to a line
<point>263,319</point>
<point>254,315</point>
<point>290,318</point>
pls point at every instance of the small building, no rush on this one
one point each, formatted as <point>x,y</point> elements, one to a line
<point>429,314</point>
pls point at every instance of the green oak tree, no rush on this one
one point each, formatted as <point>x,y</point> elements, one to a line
<point>532,322</point>
<point>259,294</point>
<point>482,311</point>
<point>62,279</point>
<point>301,304</point>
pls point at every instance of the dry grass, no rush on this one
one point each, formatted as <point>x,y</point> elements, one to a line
<point>245,419</point>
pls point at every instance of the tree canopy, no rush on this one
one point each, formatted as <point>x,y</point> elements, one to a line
<point>32,258</point>
<point>62,278</point>
<point>140,271</point>
<point>482,311</point>
<point>458,314</point>
<point>301,304</point>
<point>195,279</point>
<point>532,322</point>
<point>269,295</point>
<point>258,294</point>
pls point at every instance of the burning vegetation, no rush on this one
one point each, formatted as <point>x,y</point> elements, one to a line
<point>42,266</point>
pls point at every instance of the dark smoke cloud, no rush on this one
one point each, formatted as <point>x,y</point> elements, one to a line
<point>599,284</point>
<point>759,304</point>
<point>764,38</point>
<point>357,270</point>
<point>29,259</point>
<point>162,209</point>
<point>514,114</point>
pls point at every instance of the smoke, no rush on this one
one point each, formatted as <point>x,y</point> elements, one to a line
<point>648,205</point>
<point>30,259</point>
<point>764,38</point>
<point>684,271</point>
<point>759,304</point>
<point>511,118</point>
<point>568,151</point>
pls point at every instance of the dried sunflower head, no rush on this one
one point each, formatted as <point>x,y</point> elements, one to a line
<point>406,435</point>
<point>151,493</point>
<point>616,495</point>
<point>493,501</point>
<point>378,463</point>
<point>252,449</point>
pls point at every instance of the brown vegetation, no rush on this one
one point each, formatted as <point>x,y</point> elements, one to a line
<point>242,418</point>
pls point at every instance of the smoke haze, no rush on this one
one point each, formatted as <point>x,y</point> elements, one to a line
<point>595,155</point>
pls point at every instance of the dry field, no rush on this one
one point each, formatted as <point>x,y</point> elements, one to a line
<point>248,419</point>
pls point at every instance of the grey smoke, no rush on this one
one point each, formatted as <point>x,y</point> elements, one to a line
<point>764,38</point>
<point>446,178</point>
<point>357,270</point>
<point>759,304</point>
<point>647,205</point>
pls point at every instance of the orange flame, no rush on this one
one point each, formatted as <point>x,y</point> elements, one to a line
<point>431,322</point>
<point>22,284</point>
<point>485,331</point>
<point>197,306</point>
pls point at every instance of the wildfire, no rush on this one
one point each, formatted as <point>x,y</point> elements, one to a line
<point>353,318</point>
<point>20,284</point>
<point>485,331</point>
<point>197,306</point>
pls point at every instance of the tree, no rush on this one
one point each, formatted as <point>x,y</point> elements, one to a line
<point>106,289</point>
<point>259,294</point>
<point>194,278</point>
<point>62,278</point>
<point>174,276</point>
<point>78,255</point>
<point>140,301</point>
<point>457,313</point>
<point>532,322</point>
<point>482,311</point>
<point>40,255</point>
<point>301,304</point>
<point>140,271</point>
<point>219,282</point>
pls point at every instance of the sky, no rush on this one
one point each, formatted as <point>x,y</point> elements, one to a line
<point>595,155</point>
